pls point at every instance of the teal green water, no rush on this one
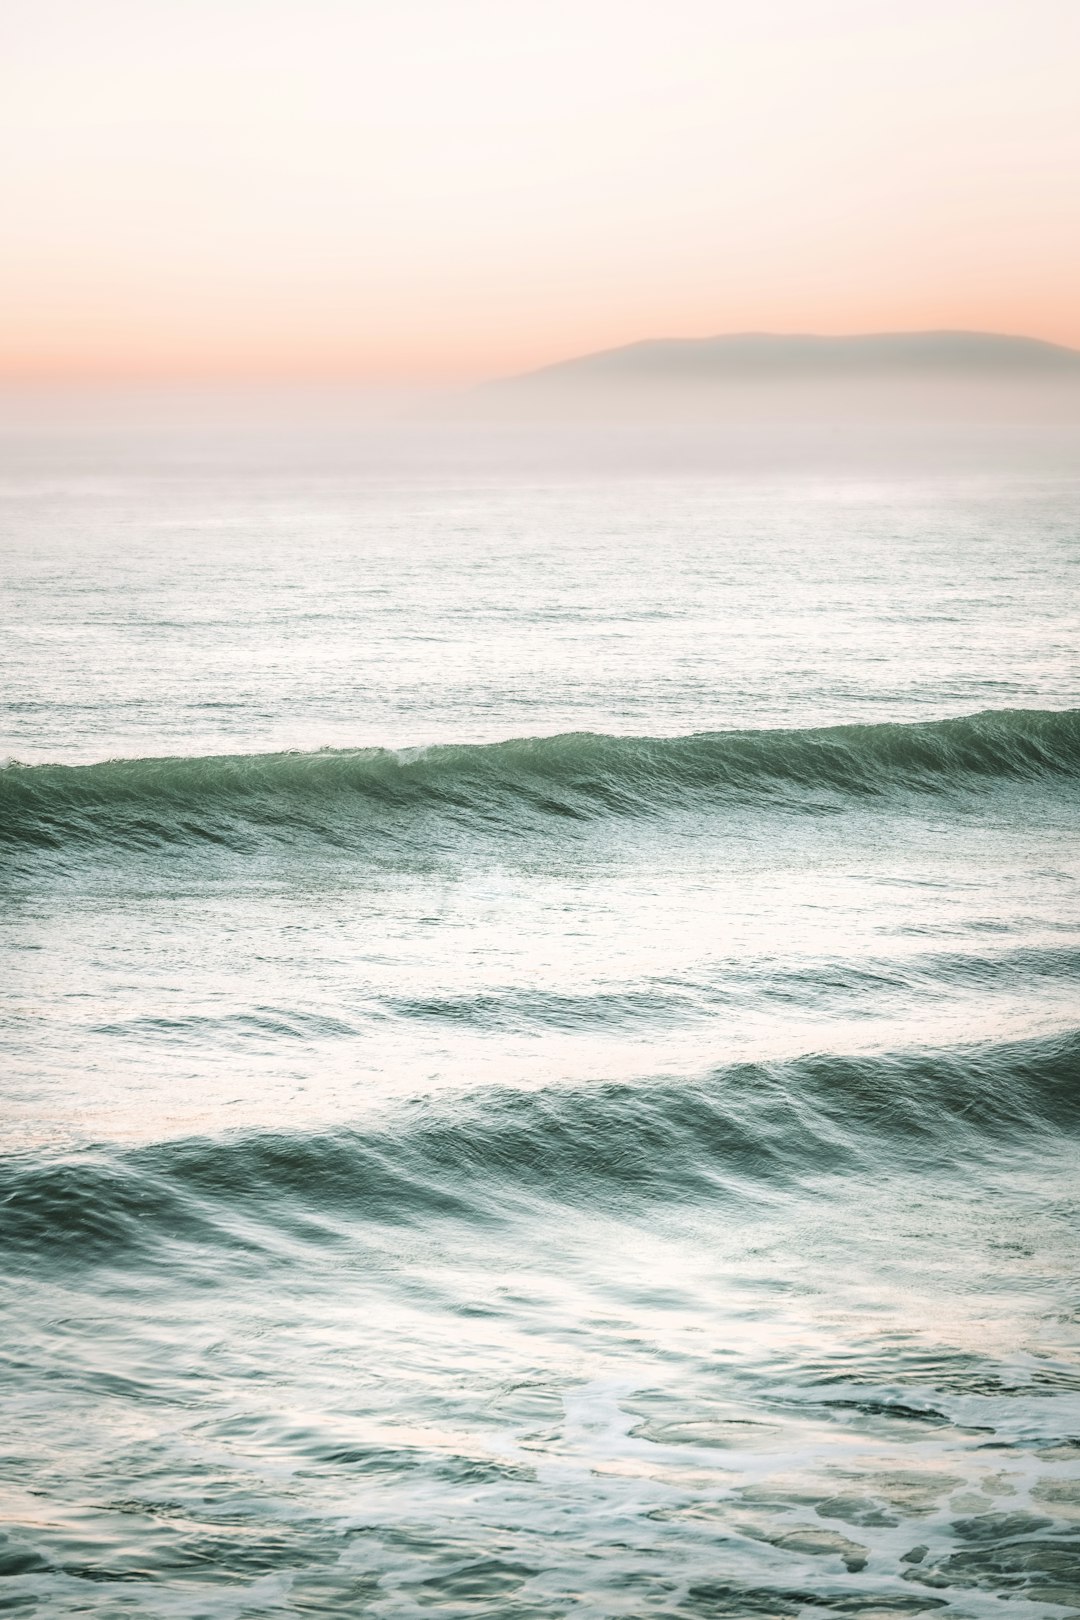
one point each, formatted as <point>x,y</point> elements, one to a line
<point>540,1041</point>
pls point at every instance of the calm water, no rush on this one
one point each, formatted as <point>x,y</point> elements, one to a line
<point>539,1019</point>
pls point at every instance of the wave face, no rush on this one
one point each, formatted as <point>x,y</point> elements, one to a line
<point>748,1132</point>
<point>346,797</point>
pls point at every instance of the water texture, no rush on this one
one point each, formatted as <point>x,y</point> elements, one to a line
<point>540,1042</point>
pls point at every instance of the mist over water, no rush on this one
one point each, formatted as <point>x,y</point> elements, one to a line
<point>539,1018</point>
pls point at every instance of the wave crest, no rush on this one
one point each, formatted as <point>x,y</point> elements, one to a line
<point>355,797</point>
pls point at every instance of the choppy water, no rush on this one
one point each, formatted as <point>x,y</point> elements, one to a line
<point>541,1039</point>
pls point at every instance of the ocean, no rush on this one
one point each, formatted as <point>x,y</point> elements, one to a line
<point>539,1014</point>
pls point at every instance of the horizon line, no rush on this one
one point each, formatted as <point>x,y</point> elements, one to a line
<point>355,373</point>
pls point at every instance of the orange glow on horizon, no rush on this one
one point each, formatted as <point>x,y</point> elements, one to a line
<point>121,356</point>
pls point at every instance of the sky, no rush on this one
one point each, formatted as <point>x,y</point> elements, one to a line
<point>443,190</point>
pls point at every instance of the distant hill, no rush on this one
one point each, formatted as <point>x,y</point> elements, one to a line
<point>742,357</point>
<point>764,377</point>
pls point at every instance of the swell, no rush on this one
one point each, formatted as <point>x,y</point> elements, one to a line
<point>750,1131</point>
<point>840,986</point>
<point>356,797</point>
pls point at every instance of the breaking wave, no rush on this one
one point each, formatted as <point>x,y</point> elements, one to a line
<point>355,796</point>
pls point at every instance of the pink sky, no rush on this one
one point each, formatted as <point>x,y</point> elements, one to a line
<point>448,189</point>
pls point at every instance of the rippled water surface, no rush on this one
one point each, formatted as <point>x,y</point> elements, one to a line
<point>539,1024</point>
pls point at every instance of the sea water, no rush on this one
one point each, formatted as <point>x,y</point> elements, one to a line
<point>540,1029</point>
